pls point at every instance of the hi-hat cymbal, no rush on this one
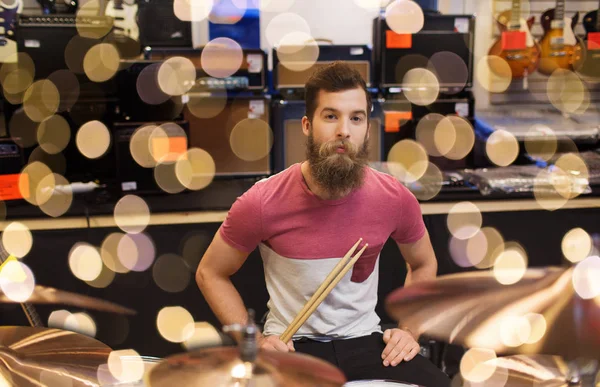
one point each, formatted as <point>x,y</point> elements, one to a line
<point>46,295</point>
<point>541,313</point>
<point>525,371</point>
<point>222,367</point>
<point>49,357</point>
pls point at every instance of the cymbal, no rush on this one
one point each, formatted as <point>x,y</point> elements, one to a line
<point>541,313</point>
<point>222,367</point>
<point>524,371</point>
<point>46,295</point>
<point>49,357</point>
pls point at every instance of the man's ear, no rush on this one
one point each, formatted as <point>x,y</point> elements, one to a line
<point>305,125</point>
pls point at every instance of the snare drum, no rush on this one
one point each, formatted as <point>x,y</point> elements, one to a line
<point>107,380</point>
<point>378,383</point>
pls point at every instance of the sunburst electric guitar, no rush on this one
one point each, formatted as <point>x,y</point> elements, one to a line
<point>561,48</point>
<point>516,45</point>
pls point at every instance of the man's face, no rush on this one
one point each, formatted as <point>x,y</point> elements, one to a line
<point>337,147</point>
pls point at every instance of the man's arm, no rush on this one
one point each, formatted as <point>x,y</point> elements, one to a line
<point>420,260</point>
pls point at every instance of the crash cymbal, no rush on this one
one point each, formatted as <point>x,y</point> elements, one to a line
<point>222,367</point>
<point>529,371</point>
<point>49,357</point>
<point>46,295</point>
<point>540,314</point>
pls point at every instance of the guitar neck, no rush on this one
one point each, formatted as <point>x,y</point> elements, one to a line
<point>559,11</point>
<point>515,14</point>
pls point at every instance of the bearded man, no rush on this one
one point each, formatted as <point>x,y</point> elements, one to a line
<point>304,220</point>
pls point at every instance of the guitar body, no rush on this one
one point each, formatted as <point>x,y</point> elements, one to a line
<point>125,19</point>
<point>561,49</point>
<point>8,43</point>
<point>521,62</point>
<point>590,21</point>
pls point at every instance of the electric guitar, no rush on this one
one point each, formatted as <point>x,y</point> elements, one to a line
<point>561,49</point>
<point>590,64</point>
<point>516,44</point>
<point>50,7</point>
<point>124,16</point>
<point>8,43</point>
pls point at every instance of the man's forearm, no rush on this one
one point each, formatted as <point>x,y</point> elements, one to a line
<point>224,300</point>
<point>421,273</point>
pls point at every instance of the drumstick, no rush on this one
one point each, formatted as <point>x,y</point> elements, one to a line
<point>326,282</point>
<point>322,296</point>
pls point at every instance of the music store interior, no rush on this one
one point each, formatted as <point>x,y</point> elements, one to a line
<point>130,128</point>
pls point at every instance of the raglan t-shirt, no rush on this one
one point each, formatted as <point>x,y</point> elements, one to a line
<point>302,237</point>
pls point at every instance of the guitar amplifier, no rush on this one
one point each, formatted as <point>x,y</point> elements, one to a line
<point>160,27</point>
<point>12,162</point>
<point>286,78</point>
<point>131,176</point>
<point>401,119</point>
<point>290,142</point>
<point>445,43</point>
<point>251,76</point>
<point>219,133</point>
<point>54,43</point>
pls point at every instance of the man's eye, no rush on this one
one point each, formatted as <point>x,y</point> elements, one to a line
<point>330,116</point>
<point>357,119</point>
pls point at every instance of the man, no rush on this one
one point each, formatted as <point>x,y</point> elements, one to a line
<point>304,220</point>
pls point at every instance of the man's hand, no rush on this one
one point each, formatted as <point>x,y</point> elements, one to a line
<point>273,343</point>
<point>401,345</point>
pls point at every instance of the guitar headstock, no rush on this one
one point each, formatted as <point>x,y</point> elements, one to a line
<point>8,16</point>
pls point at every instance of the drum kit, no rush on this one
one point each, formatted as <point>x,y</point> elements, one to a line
<point>544,332</point>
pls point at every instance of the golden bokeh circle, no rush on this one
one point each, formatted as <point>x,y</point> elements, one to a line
<point>576,174</point>
<point>176,75</point>
<point>167,142</point>
<point>175,324</point>
<point>125,365</point>
<point>132,214</point>
<point>205,104</point>
<point>538,325</point>
<point>493,74</point>
<point>75,52</point>
<point>99,29</point>
<point>565,91</point>
<point>61,195</point>
<point>298,51</point>
<point>17,281</point>
<point>284,24</point>
<point>232,15</point>
<point>430,184</point>
<point>41,100</point>
<point>17,239</point>
<point>195,169</point>
<point>56,162</point>
<point>85,261</point>
<point>510,265</point>
<point>136,252</point>
<point>192,10</point>
<point>495,246</point>
<point>101,62</point>
<point>205,335</point>
<point>404,17</point>
<point>222,57</point>
<point>477,365</point>
<point>425,134</point>
<point>251,139</point>
<point>585,278</point>
<point>93,139</point>
<point>22,129</point>
<point>541,142</point>
<point>502,148</point>
<point>464,220</point>
<point>81,323</point>
<point>171,273</point>
<point>148,87</point>
<point>549,187</point>
<point>468,252</point>
<point>29,182</point>
<point>450,69</point>
<point>464,137</point>
<point>576,245</point>
<point>54,134</point>
<point>165,175</point>
<point>16,76</point>
<point>139,146</point>
<point>105,278</point>
<point>421,86</point>
<point>408,161</point>
<point>109,252</point>
<point>514,330</point>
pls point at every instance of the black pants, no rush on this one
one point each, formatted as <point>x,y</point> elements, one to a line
<point>360,359</point>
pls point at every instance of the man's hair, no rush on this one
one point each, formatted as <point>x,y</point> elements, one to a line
<point>337,76</point>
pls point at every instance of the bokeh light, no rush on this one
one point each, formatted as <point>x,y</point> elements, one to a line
<point>148,87</point>
<point>204,102</point>
<point>126,365</point>
<point>22,129</point>
<point>101,62</point>
<point>284,24</point>
<point>548,189</point>
<point>464,220</point>
<point>136,252</point>
<point>139,146</point>
<point>41,100</point>
<point>17,239</point>
<point>109,251</point>
<point>61,195</point>
<point>58,318</point>
<point>502,148</point>
<point>429,185</point>
<point>195,169</point>
<point>514,331</point>
<point>457,128</point>
<point>53,134</point>
<point>85,261</point>
<point>493,74</point>
<point>566,91</point>
<point>175,324</point>
<point>167,142</point>
<point>576,174</point>
<point>541,142</point>
<point>468,252</point>
<point>585,278</point>
<point>538,326</point>
<point>17,73</point>
<point>16,281</point>
<point>132,214</point>
<point>495,246</point>
<point>408,161</point>
<point>165,175</point>
<point>68,87</point>
<point>75,52</point>
<point>81,323</point>
<point>192,10</point>
<point>93,139</point>
<point>251,139</point>
<point>56,162</point>
<point>176,75</point>
<point>222,57</point>
<point>205,335</point>
<point>298,51</point>
<point>404,17</point>
<point>477,365</point>
<point>450,69</point>
<point>576,245</point>
<point>421,86</point>
<point>511,264</point>
<point>171,273</point>
<point>425,134</point>
<point>30,180</point>
<point>105,278</point>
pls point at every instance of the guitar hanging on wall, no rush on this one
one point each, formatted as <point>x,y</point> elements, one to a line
<point>516,44</point>
<point>125,16</point>
<point>8,18</point>
<point>589,65</point>
<point>561,49</point>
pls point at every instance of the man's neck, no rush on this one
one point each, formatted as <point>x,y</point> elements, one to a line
<point>315,187</point>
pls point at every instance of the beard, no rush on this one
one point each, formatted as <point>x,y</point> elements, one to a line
<point>337,173</point>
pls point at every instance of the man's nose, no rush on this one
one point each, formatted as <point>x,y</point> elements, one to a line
<point>343,130</point>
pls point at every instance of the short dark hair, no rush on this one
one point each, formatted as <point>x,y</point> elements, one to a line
<point>337,76</point>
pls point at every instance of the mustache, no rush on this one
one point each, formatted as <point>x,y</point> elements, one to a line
<point>330,147</point>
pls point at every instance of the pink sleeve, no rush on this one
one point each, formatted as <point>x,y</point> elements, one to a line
<point>410,226</point>
<point>242,228</point>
